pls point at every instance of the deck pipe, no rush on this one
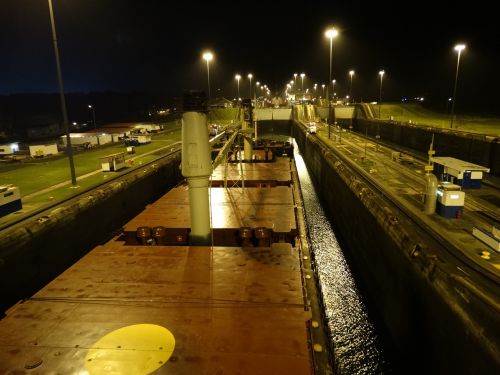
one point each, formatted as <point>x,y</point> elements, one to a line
<point>247,124</point>
<point>196,164</point>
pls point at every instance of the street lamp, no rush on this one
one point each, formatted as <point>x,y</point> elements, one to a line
<point>351,73</point>
<point>381,73</point>
<point>333,87</point>
<point>295,78</point>
<point>447,103</point>
<point>250,75</point>
<point>69,148</point>
<point>93,115</point>
<point>458,48</point>
<point>255,92</point>
<point>238,77</point>
<point>302,75</point>
<point>208,56</point>
<point>330,33</point>
<point>323,85</point>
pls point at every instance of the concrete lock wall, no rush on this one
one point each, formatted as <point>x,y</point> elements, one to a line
<point>475,148</point>
<point>35,252</point>
<point>263,114</point>
<point>281,127</point>
<point>282,113</point>
<point>434,321</point>
<point>344,112</point>
<point>273,114</point>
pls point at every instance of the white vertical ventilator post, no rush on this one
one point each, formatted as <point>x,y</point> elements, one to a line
<point>247,137</point>
<point>197,165</point>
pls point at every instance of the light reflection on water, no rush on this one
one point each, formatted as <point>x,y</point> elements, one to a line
<point>356,346</point>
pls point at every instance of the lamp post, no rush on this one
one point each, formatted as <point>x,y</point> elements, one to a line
<point>69,148</point>
<point>381,73</point>
<point>93,115</point>
<point>295,78</point>
<point>323,86</point>
<point>208,56</point>
<point>351,73</point>
<point>302,75</point>
<point>334,81</point>
<point>255,92</point>
<point>458,48</point>
<point>330,33</point>
<point>238,77</point>
<point>250,75</point>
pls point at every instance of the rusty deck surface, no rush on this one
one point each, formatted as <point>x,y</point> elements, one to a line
<point>230,208</point>
<point>253,171</point>
<point>231,310</point>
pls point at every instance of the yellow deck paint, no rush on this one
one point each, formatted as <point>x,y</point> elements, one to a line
<point>137,349</point>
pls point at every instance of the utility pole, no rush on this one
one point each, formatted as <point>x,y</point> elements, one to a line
<point>69,148</point>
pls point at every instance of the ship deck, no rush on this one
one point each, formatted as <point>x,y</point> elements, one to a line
<point>140,309</point>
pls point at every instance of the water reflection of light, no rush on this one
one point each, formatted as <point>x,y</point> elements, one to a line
<point>355,342</point>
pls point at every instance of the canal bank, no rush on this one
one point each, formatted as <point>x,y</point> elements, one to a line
<point>439,321</point>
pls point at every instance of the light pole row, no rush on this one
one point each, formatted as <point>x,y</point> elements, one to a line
<point>208,56</point>
<point>331,34</point>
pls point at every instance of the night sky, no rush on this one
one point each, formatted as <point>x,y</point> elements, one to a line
<point>156,46</point>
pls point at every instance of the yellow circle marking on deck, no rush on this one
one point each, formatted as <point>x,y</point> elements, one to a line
<point>137,349</point>
<point>318,348</point>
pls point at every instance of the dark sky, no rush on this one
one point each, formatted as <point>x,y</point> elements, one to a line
<point>156,46</point>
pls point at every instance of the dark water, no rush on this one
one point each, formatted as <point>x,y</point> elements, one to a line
<point>357,348</point>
